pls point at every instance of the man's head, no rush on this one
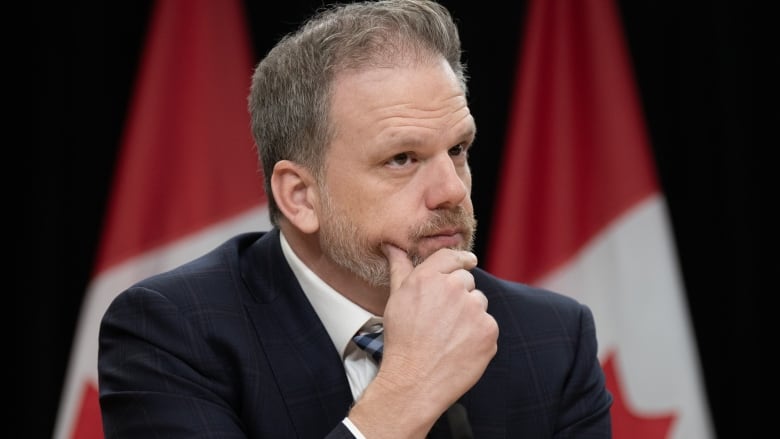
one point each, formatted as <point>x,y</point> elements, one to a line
<point>362,126</point>
<point>289,101</point>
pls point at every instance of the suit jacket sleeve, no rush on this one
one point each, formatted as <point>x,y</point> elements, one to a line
<point>158,376</point>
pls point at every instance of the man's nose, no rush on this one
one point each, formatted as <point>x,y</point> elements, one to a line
<point>446,186</point>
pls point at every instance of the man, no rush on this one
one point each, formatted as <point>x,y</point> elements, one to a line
<point>363,131</point>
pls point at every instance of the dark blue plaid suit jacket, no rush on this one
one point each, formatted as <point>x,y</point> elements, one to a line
<point>228,346</point>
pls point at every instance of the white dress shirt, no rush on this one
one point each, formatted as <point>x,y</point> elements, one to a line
<point>342,319</point>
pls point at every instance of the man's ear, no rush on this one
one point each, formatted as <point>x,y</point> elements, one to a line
<point>295,193</point>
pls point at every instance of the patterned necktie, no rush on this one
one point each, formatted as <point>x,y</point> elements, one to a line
<point>371,340</point>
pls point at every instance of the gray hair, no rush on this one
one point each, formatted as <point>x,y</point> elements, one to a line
<point>289,99</point>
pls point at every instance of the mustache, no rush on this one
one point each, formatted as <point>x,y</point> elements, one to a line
<point>456,218</point>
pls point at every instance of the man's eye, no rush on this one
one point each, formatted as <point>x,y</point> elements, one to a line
<point>457,150</point>
<point>400,159</point>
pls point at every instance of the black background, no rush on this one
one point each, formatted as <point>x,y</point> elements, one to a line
<point>700,82</point>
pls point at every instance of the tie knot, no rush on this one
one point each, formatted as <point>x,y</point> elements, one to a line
<point>371,340</point>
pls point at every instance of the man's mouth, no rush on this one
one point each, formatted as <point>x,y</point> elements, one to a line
<point>450,238</point>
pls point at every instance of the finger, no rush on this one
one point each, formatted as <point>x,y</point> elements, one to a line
<point>467,279</point>
<point>400,265</point>
<point>469,260</point>
<point>447,260</point>
<point>480,296</point>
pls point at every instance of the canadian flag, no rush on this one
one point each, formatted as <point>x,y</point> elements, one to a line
<point>186,177</point>
<point>579,210</point>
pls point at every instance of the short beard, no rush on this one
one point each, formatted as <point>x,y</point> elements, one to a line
<point>344,243</point>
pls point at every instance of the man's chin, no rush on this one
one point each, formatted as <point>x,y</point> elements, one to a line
<point>371,268</point>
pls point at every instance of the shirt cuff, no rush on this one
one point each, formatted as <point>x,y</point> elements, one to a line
<point>352,429</point>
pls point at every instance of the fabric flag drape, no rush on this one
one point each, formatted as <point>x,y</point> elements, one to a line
<point>186,176</point>
<point>579,210</point>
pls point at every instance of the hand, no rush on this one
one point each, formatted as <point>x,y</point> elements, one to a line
<point>438,340</point>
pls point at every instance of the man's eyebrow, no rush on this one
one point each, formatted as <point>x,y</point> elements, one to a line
<point>406,140</point>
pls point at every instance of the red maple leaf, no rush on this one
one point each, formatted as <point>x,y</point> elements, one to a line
<point>626,422</point>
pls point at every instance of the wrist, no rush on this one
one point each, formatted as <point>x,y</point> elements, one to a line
<point>388,409</point>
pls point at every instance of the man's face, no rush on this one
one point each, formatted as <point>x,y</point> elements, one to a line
<point>396,171</point>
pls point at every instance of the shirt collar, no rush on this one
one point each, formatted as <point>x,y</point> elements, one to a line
<point>341,317</point>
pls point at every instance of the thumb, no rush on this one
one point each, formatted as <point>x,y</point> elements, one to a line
<point>400,265</point>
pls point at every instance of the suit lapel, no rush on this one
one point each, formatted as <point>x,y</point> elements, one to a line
<point>306,366</point>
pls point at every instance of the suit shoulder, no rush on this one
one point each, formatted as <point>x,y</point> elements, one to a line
<point>216,270</point>
<point>219,259</point>
<point>493,285</point>
<point>510,299</point>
